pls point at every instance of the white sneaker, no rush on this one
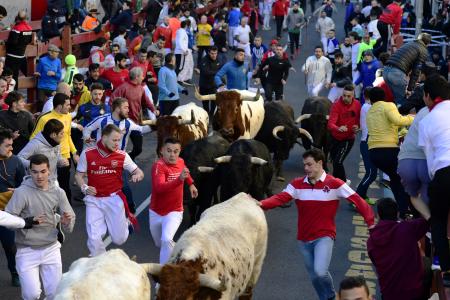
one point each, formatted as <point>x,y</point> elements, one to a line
<point>348,182</point>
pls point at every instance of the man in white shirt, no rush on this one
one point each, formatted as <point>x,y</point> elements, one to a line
<point>323,26</point>
<point>318,71</point>
<point>121,41</point>
<point>181,46</point>
<point>355,40</point>
<point>372,27</point>
<point>242,37</point>
<point>434,137</point>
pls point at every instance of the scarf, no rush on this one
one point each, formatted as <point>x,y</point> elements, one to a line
<point>436,101</point>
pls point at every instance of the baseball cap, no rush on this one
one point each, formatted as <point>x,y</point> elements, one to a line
<point>274,42</point>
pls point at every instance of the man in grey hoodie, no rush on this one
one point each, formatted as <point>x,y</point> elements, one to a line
<point>38,250</point>
<point>46,142</point>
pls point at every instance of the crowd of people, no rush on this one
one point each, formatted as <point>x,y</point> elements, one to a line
<point>393,102</point>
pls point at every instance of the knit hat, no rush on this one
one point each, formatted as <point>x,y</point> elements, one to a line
<point>274,42</point>
<point>70,60</point>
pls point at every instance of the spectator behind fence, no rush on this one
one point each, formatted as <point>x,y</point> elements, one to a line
<point>48,72</point>
<point>393,249</point>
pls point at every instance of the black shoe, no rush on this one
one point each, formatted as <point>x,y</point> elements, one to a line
<point>446,279</point>
<point>61,236</point>
<point>15,280</point>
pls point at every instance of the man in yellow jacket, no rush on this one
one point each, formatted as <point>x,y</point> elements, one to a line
<point>61,107</point>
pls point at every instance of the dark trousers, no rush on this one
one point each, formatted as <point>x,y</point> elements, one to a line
<point>200,51</point>
<point>64,180</point>
<point>383,28</point>
<point>7,239</point>
<point>137,140</point>
<point>279,21</point>
<point>209,106</point>
<point>271,88</point>
<point>386,160</point>
<point>167,107</point>
<point>294,41</point>
<point>338,152</point>
<point>313,5</point>
<point>128,194</point>
<point>42,96</point>
<point>77,139</point>
<point>439,191</point>
<point>179,61</point>
<point>16,65</point>
<point>154,89</point>
<point>371,171</point>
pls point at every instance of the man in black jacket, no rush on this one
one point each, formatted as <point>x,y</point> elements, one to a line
<point>277,68</point>
<point>406,60</point>
<point>49,24</point>
<point>209,66</point>
<point>341,77</point>
<point>18,120</point>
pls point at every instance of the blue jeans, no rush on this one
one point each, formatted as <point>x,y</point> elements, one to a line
<point>397,82</point>
<point>415,178</point>
<point>317,257</point>
<point>371,171</point>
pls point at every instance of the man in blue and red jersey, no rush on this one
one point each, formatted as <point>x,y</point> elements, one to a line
<point>317,197</point>
<point>106,205</point>
<point>169,174</point>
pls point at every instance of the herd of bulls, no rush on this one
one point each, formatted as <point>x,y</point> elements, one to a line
<point>236,157</point>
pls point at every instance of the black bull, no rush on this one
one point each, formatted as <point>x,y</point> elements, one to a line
<point>199,157</point>
<point>314,119</point>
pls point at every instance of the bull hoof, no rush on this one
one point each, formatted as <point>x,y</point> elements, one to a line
<point>280,178</point>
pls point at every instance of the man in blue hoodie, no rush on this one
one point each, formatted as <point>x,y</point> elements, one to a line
<point>48,72</point>
<point>234,17</point>
<point>235,72</point>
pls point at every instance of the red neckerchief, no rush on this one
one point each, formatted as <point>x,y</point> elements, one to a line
<point>102,148</point>
<point>436,101</point>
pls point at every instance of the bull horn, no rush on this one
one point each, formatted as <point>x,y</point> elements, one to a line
<point>249,98</point>
<point>153,269</point>
<point>223,159</point>
<point>202,169</point>
<point>275,131</point>
<point>149,122</point>
<point>327,117</point>
<point>212,283</point>
<point>210,97</point>
<point>188,122</point>
<point>302,117</point>
<point>258,161</point>
<point>307,134</point>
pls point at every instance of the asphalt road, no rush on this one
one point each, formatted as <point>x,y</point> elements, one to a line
<point>284,275</point>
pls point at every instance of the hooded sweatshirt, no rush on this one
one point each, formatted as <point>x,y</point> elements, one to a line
<point>393,249</point>
<point>28,200</point>
<point>344,114</point>
<point>41,145</point>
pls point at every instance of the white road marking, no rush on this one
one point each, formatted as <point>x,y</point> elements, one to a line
<point>139,210</point>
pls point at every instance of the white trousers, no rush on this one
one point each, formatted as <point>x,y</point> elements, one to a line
<point>163,229</point>
<point>355,76</point>
<point>335,93</point>
<point>46,262</point>
<point>105,214</point>
<point>314,90</point>
<point>231,31</point>
<point>187,67</point>
<point>324,40</point>
<point>267,21</point>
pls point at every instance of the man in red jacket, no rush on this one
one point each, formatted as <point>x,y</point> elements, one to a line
<point>317,198</point>
<point>137,99</point>
<point>166,206</point>
<point>343,124</point>
<point>279,11</point>
<point>392,15</point>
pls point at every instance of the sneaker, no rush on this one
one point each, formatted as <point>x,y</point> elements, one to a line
<point>435,265</point>
<point>61,237</point>
<point>446,279</point>
<point>15,280</point>
<point>348,182</point>
<point>370,201</point>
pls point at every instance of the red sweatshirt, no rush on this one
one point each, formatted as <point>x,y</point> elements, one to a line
<point>279,8</point>
<point>317,205</point>
<point>147,68</point>
<point>344,114</point>
<point>166,32</point>
<point>167,188</point>
<point>392,15</point>
<point>116,78</point>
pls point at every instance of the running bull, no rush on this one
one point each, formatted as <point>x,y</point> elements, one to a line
<point>239,114</point>
<point>221,257</point>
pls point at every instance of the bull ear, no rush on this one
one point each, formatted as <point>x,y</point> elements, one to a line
<point>258,161</point>
<point>223,159</point>
<point>153,269</point>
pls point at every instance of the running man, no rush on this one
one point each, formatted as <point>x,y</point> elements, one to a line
<point>106,204</point>
<point>166,207</point>
<point>317,197</point>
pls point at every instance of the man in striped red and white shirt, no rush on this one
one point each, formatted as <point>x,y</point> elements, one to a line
<point>317,197</point>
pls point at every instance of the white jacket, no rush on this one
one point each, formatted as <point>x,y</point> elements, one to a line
<point>318,70</point>
<point>10,221</point>
<point>181,41</point>
<point>324,25</point>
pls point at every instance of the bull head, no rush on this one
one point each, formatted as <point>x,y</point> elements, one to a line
<point>205,280</point>
<point>227,158</point>
<point>211,97</point>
